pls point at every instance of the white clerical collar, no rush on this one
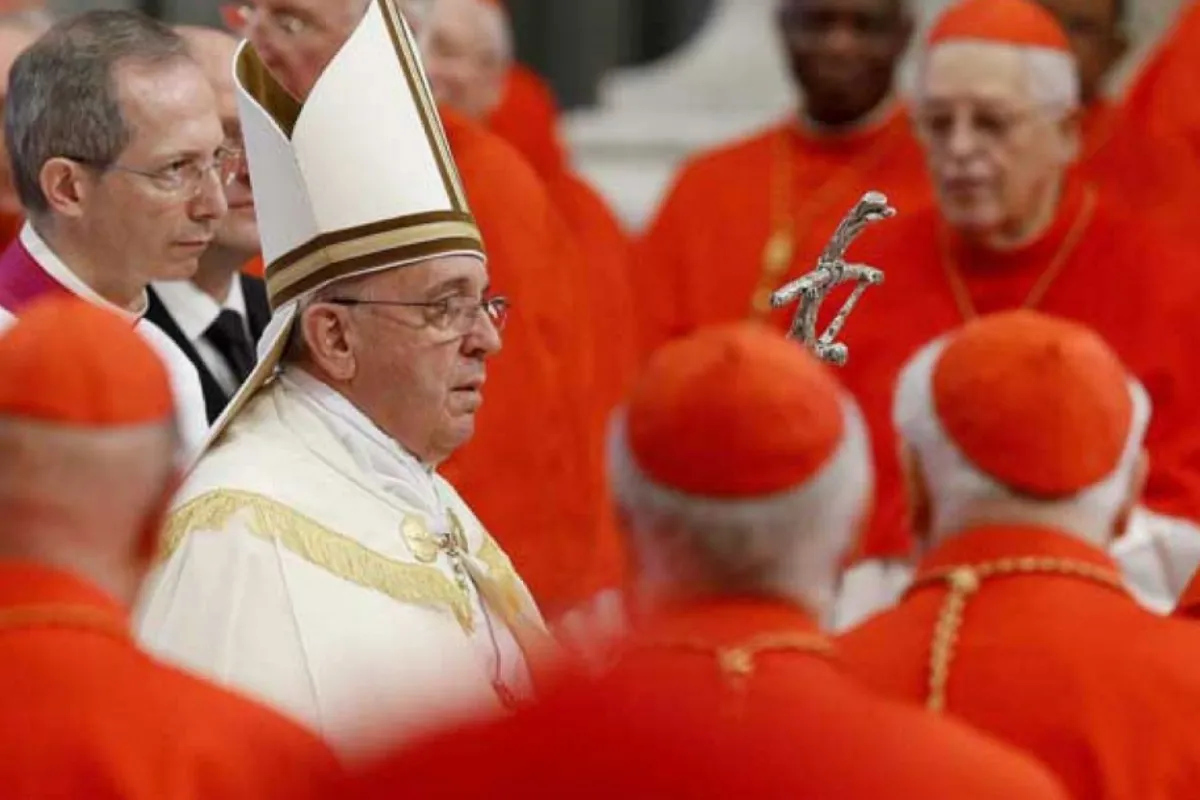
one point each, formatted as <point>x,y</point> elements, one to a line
<point>399,472</point>
<point>194,310</point>
<point>48,260</point>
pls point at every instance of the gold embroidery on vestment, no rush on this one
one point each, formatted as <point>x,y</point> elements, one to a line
<point>965,580</point>
<point>333,552</point>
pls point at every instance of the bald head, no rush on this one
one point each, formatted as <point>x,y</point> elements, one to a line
<point>467,49</point>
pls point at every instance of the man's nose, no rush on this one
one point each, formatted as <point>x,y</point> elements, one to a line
<point>963,137</point>
<point>210,202</point>
<point>484,338</point>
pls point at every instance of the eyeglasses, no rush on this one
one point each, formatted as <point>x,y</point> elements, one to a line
<point>456,315</point>
<point>992,127</point>
<point>184,177</point>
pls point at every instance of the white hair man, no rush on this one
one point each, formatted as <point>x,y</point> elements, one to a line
<point>997,108</point>
<point>744,472</point>
<point>316,559</point>
<point>1022,441</point>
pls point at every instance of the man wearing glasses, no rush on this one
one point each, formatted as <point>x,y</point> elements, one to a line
<point>117,155</point>
<point>997,109</point>
<point>315,558</point>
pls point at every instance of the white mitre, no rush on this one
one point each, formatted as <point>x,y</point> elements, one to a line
<point>356,178</point>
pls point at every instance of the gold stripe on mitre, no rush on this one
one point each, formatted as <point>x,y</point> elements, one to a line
<point>380,244</point>
<point>366,248</point>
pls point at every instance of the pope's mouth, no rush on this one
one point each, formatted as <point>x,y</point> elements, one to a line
<point>473,387</point>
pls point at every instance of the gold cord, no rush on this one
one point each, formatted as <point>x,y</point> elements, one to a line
<point>964,581</point>
<point>737,662</point>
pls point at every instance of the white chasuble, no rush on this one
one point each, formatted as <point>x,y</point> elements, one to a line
<point>315,565</point>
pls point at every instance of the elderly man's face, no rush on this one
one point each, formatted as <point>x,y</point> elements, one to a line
<point>157,207</point>
<point>417,374</point>
<point>462,47</point>
<point>296,39</point>
<point>993,151</point>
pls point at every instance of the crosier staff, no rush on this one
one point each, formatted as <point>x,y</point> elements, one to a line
<point>833,270</point>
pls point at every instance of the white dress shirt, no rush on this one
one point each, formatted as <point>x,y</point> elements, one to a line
<point>194,311</point>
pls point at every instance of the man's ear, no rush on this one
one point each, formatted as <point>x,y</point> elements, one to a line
<point>1137,485</point>
<point>916,490</point>
<point>66,185</point>
<point>328,341</point>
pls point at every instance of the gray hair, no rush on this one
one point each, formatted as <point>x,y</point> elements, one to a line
<point>789,544</point>
<point>63,100</point>
<point>1052,76</point>
<point>963,495</point>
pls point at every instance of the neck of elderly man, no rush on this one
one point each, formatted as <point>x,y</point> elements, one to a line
<point>369,339</point>
<point>1000,126</point>
<point>105,527</point>
<point>950,500</point>
<point>790,546</point>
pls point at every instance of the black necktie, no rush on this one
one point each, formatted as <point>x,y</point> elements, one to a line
<point>228,335</point>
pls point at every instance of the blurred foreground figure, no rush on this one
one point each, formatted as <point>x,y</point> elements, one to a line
<point>118,158</point>
<point>744,472</point>
<point>316,558</point>
<point>88,461</point>
<point>1022,445</point>
<point>743,220</point>
<point>997,107</point>
<point>218,316</point>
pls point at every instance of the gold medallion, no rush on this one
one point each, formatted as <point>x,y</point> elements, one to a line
<point>420,541</point>
<point>779,252</point>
